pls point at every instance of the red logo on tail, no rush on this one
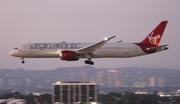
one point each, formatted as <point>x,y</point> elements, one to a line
<point>154,37</point>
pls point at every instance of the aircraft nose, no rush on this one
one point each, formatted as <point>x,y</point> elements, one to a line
<point>11,53</point>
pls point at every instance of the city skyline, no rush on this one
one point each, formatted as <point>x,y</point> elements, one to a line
<point>88,21</point>
<point>106,78</point>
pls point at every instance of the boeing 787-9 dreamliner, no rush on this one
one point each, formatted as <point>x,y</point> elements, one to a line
<point>74,51</point>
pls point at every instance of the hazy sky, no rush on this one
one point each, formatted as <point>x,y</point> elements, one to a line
<point>24,21</point>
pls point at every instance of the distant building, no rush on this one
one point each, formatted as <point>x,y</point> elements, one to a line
<point>141,93</point>
<point>160,82</point>
<point>152,82</point>
<point>74,93</point>
<point>100,78</point>
<point>12,101</point>
<point>112,79</point>
<point>119,79</point>
<point>1,82</point>
<point>74,76</point>
<point>28,82</point>
<point>85,75</point>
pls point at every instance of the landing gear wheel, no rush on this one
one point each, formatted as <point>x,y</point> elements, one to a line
<point>23,62</point>
<point>89,62</point>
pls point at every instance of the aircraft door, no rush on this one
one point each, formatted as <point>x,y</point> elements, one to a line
<point>135,49</point>
<point>24,48</point>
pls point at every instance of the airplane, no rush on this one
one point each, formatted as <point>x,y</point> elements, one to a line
<point>74,51</point>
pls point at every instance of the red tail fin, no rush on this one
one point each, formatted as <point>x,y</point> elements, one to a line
<point>155,36</point>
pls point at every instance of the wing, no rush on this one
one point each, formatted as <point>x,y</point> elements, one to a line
<point>92,48</point>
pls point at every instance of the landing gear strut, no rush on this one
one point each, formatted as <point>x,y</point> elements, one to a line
<point>22,58</point>
<point>89,62</point>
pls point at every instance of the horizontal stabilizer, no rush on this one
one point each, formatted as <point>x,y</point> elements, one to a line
<point>120,41</point>
<point>158,47</point>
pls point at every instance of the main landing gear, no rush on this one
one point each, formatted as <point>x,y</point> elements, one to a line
<point>22,58</point>
<point>89,62</point>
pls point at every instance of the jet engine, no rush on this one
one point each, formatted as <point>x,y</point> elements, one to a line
<point>68,55</point>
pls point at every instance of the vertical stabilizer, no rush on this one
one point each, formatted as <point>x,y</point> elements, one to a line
<point>155,36</point>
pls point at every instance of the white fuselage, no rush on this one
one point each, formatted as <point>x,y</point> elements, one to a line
<point>102,49</point>
<point>52,50</point>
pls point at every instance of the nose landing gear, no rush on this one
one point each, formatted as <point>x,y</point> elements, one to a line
<point>23,62</point>
<point>22,58</point>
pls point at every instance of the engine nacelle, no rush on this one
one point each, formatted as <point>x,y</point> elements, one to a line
<point>68,55</point>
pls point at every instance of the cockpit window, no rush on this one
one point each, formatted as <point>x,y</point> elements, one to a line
<point>15,48</point>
